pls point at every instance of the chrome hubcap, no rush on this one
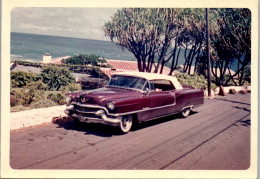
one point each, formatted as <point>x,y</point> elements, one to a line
<point>125,122</point>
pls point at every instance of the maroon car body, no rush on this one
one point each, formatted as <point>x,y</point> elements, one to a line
<point>133,97</point>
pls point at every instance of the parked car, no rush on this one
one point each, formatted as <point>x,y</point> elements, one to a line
<point>132,97</point>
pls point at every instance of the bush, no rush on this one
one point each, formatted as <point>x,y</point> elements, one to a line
<point>87,85</point>
<point>27,96</point>
<point>21,78</point>
<point>58,98</point>
<point>43,104</point>
<point>39,85</point>
<point>71,87</point>
<point>32,92</point>
<point>56,77</point>
<point>81,59</point>
<point>195,80</point>
<point>19,108</point>
<point>27,63</point>
<point>96,72</point>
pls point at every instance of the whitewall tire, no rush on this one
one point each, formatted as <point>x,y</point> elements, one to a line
<point>185,112</point>
<point>126,124</point>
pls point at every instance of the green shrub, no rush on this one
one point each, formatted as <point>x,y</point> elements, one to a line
<point>82,59</point>
<point>56,77</point>
<point>27,63</point>
<point>87,85</point>
<point>58,98</point>
<point>71,87</point>
<point>19,108</point>
<point>44,103</point>
<point>21,78</point>
<point>32,92</point>
<point>27,96</point>
<point>39,85</point>
<point>195,80</point>
<point>96,72</point>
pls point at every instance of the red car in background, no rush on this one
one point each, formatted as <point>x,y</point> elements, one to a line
<point>133,97</point>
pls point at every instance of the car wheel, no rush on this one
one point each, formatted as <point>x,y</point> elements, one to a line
<point>185,112</point>
<point>125,124</point>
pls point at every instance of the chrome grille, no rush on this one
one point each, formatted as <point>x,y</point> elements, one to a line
<point>90,115</point>
<point>86,111</point>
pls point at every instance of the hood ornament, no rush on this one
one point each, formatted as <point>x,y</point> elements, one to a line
<point>83,100</point>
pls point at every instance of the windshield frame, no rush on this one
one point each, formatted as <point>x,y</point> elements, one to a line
<point>124,87</point>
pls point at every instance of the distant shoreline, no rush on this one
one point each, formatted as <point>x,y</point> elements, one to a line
<point>60,36</point>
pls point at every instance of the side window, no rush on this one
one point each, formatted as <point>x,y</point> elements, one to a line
<point>161,85</point>
<point>146,86</point>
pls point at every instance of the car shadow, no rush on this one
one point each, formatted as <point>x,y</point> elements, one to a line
<point>103,130</point>
<point>88,129</point>
<point>159,121</point>
<point>232,101</point>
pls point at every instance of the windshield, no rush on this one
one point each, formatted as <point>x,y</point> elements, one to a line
<point>128,82</point>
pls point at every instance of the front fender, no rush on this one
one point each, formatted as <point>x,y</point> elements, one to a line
<point>131,104</point>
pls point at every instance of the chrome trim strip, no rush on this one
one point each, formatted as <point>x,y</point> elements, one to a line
<point>127,113</point>
<point>85,112</point>
<point>103,119</point>
<point>163,116</point>
<point>147,109</point>
<point>93,106</point>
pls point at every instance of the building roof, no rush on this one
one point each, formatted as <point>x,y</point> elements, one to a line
<point>59,60</point>
<point>122,65</point>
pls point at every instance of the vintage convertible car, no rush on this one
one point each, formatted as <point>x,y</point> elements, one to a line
<point>132,97</point>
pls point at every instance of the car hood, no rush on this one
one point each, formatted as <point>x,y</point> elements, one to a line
<point>103,95</point>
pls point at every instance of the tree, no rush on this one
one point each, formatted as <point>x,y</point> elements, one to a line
<point>193,37</point>
<point>231,42</point>
<point>155,37</point>
<point>148,34</point>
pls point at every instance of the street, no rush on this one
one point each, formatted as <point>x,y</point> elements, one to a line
<point>216,136</point>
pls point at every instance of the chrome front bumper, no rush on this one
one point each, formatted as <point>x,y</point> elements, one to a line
<point>99,116</point>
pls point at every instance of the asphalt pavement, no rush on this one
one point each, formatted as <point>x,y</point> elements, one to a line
<point>214,137</point>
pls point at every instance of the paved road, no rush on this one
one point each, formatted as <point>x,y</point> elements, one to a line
<point>217,136</point>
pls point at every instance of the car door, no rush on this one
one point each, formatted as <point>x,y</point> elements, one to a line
<point>162,98</point>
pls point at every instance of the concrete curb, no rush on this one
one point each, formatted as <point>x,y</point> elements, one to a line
<point>236,88</point>
<point>35,117</point>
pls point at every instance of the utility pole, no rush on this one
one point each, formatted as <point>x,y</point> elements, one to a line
<point>208,55</point>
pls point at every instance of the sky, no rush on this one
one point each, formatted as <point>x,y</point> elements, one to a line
<point>83,23</point>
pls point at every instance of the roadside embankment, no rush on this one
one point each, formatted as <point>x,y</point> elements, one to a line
<point>35,117</point>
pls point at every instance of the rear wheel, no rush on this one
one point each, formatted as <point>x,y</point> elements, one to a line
<point>125,124</point>
<point>185,112</point>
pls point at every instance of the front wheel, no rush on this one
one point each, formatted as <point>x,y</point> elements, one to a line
<point>185,112</point>
<point>125,124</point>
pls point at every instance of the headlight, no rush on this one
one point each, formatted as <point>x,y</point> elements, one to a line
<point>111,106</point>
<point>68,100</point>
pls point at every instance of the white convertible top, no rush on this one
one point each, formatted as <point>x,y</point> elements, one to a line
<point>153,76</point>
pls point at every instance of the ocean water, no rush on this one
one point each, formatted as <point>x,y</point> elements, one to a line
<point>33,47</point>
